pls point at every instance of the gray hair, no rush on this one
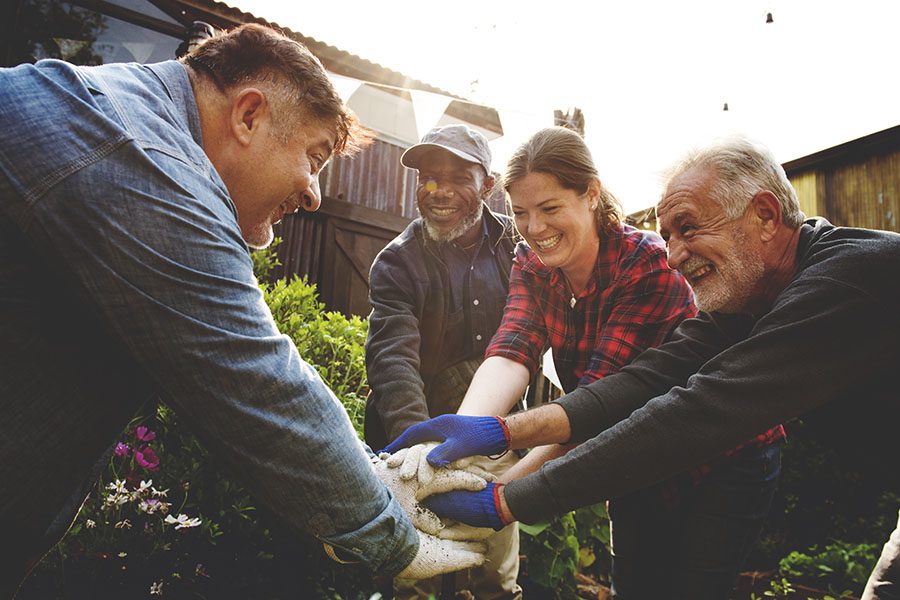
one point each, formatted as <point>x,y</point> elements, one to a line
<point>744,168</point>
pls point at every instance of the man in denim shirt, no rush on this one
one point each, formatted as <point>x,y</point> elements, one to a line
<point>128,197</point>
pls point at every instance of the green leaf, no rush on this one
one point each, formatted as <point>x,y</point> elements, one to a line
<point>533,530</point>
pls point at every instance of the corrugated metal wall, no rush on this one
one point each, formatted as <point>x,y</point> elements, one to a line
<point>374,178</point>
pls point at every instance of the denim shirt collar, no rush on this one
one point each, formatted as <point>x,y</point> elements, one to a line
<point>175,79</point>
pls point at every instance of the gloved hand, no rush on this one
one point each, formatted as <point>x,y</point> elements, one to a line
<point>413,466</point>
<point>407,492</point>
<point>478,508</point>
<point>460,531</point>
<point>461,436</point>
<point>436,556</point>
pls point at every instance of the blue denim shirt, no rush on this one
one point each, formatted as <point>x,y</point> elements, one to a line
<point>123,276</point>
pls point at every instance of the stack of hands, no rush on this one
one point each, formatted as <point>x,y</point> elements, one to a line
<point>429,472</point>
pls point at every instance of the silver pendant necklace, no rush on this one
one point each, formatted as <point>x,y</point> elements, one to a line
<point>572,300</point>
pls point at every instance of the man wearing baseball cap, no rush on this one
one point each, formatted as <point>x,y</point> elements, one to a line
<point>438,291</point>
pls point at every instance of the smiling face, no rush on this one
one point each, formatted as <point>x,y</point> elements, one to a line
<point>720,257</point>
<point>449,192</point>
<point>279,177</point>
<point>557,222</point>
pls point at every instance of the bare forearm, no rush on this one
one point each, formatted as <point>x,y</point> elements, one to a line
<point>533,461</point>
<point>548,424</point>
<point>495,388</point>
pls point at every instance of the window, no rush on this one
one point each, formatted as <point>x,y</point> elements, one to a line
<point>64,30</point>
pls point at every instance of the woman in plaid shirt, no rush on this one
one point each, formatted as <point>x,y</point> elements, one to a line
<point>598,292</point>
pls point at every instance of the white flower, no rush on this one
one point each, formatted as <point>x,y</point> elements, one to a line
<point>90,524</point>
<point>118,487</point>
<point>159,493</point>
<point>116,499</point>
<point>122,554</point>
<point>123,524</point>
<point>156,588</point>
<point>183,521</point>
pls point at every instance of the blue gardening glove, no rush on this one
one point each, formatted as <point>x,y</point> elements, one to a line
<point>461,436</point>
<point>478,509</point>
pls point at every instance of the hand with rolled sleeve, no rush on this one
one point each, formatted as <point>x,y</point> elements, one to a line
<point>460,436</point>
<point>435,555</point>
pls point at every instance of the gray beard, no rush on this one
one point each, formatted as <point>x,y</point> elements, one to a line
<point>736,279</point>
<point>469,221</point>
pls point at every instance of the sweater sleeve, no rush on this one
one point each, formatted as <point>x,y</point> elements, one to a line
<point>393,344</point>
<point>600,405</point>
<point>788,365</point>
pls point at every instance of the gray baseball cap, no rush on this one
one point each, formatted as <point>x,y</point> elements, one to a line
<point>459,140</point>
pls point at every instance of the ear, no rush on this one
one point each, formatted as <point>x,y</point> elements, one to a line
<point>486,186</point>
<point>249,110</point>
<point>593,192</point>
<point>767,214</point>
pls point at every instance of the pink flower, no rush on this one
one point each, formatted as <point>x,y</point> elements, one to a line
<point>122,449</point>
<point>143,434</point>
<point>147,458</point>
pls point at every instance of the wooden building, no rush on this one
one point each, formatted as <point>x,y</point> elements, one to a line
<point>855,184</point>
<point>367,199</point>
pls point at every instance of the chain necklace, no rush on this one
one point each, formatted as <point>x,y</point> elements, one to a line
<point>573,300</point>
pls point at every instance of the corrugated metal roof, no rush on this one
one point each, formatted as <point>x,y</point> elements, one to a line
<point>334,59</point>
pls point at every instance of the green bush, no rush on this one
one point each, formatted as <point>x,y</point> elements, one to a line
<point>841,568</point>
<point>576,542</point>
<point>330,341</point>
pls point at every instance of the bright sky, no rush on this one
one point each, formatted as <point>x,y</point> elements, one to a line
<point>650,76</point>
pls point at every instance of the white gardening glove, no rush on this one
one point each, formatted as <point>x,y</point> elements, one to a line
<point>408,491</point>
<point>454,530</point>
<point>414,466</point>
<point>436,556</point>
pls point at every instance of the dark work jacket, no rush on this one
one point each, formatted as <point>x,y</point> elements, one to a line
<point>409,288</point>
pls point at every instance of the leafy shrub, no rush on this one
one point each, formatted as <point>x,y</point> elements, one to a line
<point>833,569</point>
<point>330,341</point>
<point>576,542</point>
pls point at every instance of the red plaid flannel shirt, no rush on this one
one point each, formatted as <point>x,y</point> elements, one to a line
<point>633,303</point>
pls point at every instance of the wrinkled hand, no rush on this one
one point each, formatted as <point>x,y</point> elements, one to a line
<point>475,508</point>
<point>407,492</point>
<point>461,436</point>
<point>436,556</point>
